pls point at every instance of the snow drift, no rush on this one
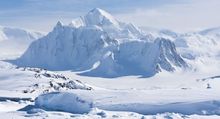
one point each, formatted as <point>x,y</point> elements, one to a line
<point>58,101</point>
<point>100,45</point>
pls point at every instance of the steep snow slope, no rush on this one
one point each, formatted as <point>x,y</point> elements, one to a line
<point>14,41</point>
<point>100,45</point>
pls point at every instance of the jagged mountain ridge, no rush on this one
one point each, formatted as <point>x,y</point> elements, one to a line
<point>100,45</point>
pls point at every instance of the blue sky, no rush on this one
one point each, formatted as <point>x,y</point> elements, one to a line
<point>178,15</point>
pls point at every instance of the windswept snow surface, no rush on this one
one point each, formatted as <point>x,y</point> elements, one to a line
<point>124,97</point>
<point>117,98</point>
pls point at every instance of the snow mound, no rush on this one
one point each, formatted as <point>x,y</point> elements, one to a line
<point>64,101</point>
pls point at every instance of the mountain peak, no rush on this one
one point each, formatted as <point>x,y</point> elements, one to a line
<point>98,16</point>
<point>102,19</point>
<point>98,11</point>
<point>59,24</point>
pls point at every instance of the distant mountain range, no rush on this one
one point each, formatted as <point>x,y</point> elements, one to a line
<point>7,33</point>
<point>14,41</point>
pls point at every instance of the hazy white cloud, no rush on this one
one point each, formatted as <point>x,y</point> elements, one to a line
<point>193,15</point>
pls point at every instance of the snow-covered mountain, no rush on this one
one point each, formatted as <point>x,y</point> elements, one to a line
<point>7,33</point>
<point>100,45</point>
<point>200,49</point>
<point>14,41</point>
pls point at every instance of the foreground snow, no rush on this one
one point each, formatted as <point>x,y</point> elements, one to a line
<point>143,102</point>
<point>108,98</point>
<point>98,114</point>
